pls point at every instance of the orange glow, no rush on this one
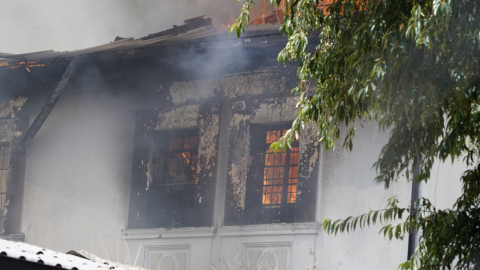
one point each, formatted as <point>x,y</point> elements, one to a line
<point>261,14</point>
<point>324,5</point>
<point>184,164</point>
<point>274,135</point>
<point>275,170</point>
<point>37,65</point>
<point>26,65</point>
<point>258,15</point>
<point>292,194</point>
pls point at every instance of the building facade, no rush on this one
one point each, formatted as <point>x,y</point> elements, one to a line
<point>157,154</point>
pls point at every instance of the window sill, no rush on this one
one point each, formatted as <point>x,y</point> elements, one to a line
<point>311,228</point>
<point>270,229</point>
<point>159,233</point>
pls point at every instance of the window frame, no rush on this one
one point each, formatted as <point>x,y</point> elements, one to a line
<point>169,134</point>
<point>149,122</point>
<point>256,212</point>
<point>155,202</point>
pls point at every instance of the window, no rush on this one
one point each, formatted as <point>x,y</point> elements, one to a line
<point>272,178</point>
<point>172,186</point>
<point>174,170</point>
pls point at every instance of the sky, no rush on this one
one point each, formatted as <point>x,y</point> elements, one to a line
<point>65,25</point>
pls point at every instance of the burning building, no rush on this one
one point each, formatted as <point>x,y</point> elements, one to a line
<point>161,143</point>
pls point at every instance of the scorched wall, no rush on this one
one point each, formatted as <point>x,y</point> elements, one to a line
<point>78,183</point>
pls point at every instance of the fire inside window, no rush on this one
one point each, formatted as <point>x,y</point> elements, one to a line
<point>181,160</point>
<point>172,191</point>
<point>3,181</point>
<point>272,178</point>
<point>275,173</point>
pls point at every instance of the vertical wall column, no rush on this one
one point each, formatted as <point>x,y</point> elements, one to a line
<point>221,184</point>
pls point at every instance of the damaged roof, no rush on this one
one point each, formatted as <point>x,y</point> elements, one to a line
<point>196,30</point>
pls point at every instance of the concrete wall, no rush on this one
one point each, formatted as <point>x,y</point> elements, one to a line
<point>78,174</point>
<point>79,164</point>
<point>444,187</point>
<point>347,189</point>
<point>78,184</point>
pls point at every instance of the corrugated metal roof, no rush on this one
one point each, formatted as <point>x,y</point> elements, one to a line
<point>40,255</point>
<point>204,33</point>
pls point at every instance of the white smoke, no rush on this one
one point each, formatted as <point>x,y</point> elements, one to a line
<point>33,25</point>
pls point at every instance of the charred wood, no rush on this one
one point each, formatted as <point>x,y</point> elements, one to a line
<point>190,24</point>
<point>42,116</point>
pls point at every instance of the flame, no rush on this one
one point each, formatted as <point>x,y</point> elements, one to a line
<point>28,69</point>
<point>266,200</point>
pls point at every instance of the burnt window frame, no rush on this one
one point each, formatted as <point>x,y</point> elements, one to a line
<point>256,212</point>
<point>161,195</point>
<point>148,121</point>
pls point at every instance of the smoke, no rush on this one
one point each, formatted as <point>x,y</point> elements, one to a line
<point>82,156</point>
<point>210,63</point>
<point>32,25</point>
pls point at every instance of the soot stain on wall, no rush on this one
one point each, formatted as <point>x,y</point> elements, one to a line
<point>233,86</point>
<point>267,111</point>
<point>9,108</point>
<point>308,162</point>
<point>205,118</point>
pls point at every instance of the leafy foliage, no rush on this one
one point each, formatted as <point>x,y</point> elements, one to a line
<point>412,66</point>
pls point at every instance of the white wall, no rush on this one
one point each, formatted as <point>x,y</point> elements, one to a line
<point>444,187</point>
<point>347,188</point>
<point>77,189</point>
<point>78,174</point>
